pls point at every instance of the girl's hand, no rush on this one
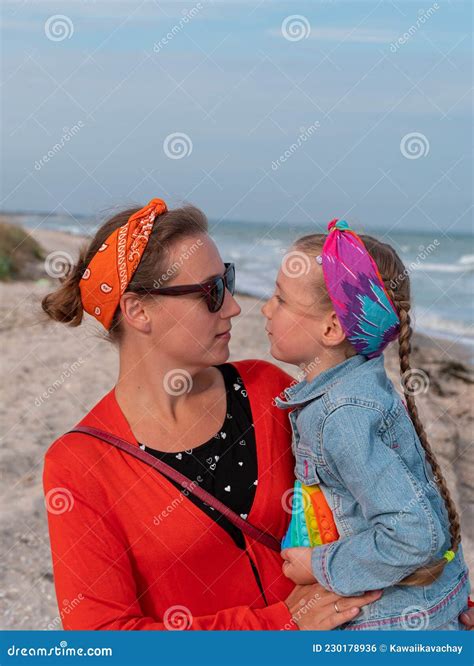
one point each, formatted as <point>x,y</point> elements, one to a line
<point>297,565</point>
<point>314,608</point>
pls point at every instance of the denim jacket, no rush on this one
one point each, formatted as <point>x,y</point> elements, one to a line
<point>353,436</point>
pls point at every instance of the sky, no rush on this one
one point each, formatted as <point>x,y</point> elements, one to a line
<point>282,112</point>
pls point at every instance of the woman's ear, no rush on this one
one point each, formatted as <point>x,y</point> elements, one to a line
<point>135,312</point>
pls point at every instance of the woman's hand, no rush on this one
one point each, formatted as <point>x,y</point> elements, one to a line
<point>297,565</point>
<point>313,607</point>
<point>467,618</point>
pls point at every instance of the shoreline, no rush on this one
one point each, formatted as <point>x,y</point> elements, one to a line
<point>54,374</point>
<point>67,240</point>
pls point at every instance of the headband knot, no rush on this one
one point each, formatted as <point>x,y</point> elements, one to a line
<point>341,225</point>
<point>110,270</point>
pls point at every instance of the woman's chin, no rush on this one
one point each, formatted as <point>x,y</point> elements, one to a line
<point>220,352</point>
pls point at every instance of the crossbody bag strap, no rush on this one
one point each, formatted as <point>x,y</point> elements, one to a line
<point>190,486</point>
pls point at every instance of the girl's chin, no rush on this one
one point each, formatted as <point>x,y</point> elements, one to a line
<point>280,355</point>
<point>275,352</point>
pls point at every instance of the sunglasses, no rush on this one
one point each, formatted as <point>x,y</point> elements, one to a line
<point>212,290</point>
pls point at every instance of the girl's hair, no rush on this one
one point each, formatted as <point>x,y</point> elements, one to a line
<point>397,283</point>
<point>65,305</point>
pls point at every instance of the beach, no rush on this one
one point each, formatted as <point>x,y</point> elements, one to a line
<point>52,375</point>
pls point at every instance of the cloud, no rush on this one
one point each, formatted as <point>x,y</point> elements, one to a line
<point>348,34</point>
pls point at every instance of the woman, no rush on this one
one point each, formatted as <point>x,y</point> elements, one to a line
<point>127,544</point>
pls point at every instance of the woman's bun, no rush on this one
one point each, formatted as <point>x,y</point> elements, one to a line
<point>65,304</point>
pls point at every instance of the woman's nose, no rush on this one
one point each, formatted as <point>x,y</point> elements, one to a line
<point>230,307</point>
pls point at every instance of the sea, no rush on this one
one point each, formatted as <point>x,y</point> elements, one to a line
<point>440,264</point>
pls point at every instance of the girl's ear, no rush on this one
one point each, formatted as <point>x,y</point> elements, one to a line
<point>333,333</point>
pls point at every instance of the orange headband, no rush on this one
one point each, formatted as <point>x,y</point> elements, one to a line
<point>111,268</point>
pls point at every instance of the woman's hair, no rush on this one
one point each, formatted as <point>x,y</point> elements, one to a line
<point>65,305</point>
<point>397,284</point>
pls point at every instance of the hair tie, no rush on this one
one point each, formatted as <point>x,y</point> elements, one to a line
<point>110,270</point>
<point>357,291</point>
<point>449,555</point>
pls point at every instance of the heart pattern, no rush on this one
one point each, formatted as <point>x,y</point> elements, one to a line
<point>221,477</point>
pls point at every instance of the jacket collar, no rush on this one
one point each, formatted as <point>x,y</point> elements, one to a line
<point>305,391</point>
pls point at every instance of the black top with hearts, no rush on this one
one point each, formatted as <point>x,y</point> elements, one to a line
<point>227,463</point>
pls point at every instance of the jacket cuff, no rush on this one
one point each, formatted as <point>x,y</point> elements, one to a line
<point>319,565</point>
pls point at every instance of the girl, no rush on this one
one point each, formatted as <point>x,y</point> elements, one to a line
<point>368,511</point>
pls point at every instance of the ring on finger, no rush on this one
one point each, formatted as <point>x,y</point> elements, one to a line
<point>336,607</point>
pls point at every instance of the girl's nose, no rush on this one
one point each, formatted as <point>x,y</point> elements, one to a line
<point>264,310</point>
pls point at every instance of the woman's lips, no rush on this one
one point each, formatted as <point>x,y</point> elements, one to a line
<point>224,336</point>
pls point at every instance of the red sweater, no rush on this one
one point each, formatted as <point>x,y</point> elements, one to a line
<point>128,547</point>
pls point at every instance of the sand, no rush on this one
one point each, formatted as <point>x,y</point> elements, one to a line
<point>52,375</point>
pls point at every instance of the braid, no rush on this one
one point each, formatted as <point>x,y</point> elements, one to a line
<point>423,575</point>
